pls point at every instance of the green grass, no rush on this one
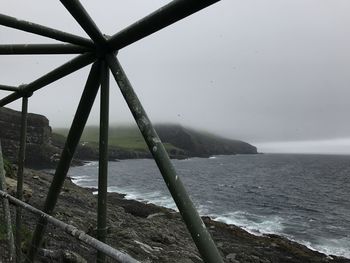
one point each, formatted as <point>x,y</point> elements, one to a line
<point>126,137</point>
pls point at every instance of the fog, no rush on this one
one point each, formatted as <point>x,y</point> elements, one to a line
<point>260,71</point>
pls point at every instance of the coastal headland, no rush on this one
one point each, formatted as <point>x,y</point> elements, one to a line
<point>44,145</point>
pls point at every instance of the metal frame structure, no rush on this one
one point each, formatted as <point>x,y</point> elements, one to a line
<point>101,51</point>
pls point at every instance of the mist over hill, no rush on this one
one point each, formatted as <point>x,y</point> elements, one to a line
<point>180,142</point>
<point>125,142</point>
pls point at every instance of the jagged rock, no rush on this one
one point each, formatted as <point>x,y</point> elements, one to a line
<point>232,258</point>
<point>65,256</point>
<point>161,239</point>
<point>39,150</point>
<point>72,257</point>
<point>11,186</point>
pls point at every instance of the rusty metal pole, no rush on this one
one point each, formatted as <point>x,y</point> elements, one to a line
<point>20,163</point>
<point>103,160</point>
<point>73,138</point>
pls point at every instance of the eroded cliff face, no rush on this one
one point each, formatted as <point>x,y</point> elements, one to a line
<point>39,151</point>
<point>197,144</point>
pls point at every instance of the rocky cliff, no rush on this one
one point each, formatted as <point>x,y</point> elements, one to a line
<point>44,147</point>
<point>126,142</point>
<point>200,144</point>
<point>39,150</point>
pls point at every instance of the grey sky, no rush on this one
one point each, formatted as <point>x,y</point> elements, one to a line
<point>273,70</point>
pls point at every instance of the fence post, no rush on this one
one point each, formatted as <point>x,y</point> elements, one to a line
<point>103,160</point>
<point>6,209</point>
<point>20,163</point>
<point>73,138</point>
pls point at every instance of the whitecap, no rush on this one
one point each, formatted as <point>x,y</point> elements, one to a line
<point>254,224</point>
<point>153,197</point>
<point>332,246</point>
<point>92,163</point>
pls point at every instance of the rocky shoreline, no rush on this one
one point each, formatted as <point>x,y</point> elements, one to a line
<point>147,232</point>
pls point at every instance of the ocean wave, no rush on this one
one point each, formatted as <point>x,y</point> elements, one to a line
<point>92,163</point>
<point>331,247</point>
<point>80,181</point>
<point>254,224</point>
<point>277,194</point>
<point>77,177</point>
<point>154,197</point>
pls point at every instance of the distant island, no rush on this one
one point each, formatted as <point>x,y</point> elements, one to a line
<point>44,144</point>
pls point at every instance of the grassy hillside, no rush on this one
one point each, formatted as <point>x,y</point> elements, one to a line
<point>126,137</point>
<point>178,141</point>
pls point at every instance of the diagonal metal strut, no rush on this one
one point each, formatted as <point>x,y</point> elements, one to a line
<point>60,72</point>
<point>76,9</point>
<point>37,29</point>
<point>194,223</point>
<point>77,127</point>
<point>101,48</point>
<point>159,19</point>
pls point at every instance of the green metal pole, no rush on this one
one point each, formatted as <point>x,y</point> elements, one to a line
<point>194,223</point>
<point>76,9</point>
<point>77,127</point>
<point>37,29</point>
<point>103,161</point>
<point>60,72</point>
<point>20,162</point>
<point>8,88</point>
<point>161,18</point>
<point>7,212</point>
<point>42,49</point>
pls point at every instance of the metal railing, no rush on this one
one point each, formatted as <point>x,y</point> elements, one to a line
<point>101,51</point>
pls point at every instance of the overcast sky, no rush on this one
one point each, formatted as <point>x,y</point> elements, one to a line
<point>261,71</point>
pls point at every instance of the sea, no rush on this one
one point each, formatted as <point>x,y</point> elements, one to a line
<point>305,198</point>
